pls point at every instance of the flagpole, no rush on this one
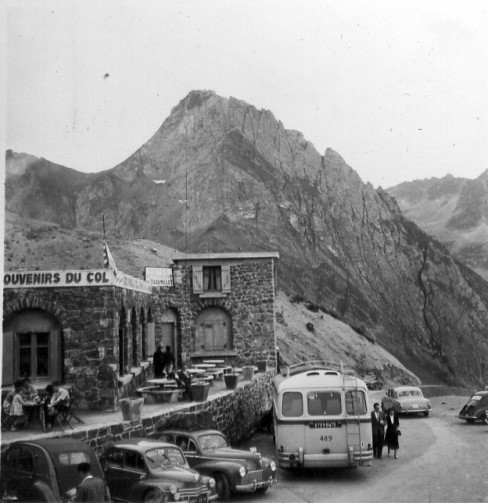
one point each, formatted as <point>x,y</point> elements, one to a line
<point>103,221</point>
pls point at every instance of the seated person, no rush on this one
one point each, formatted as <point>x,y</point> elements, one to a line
<point>28,391</point>
<point>59,401</point>
<point>7,403</point>
<point>48,418</point>
<point>183,378</point>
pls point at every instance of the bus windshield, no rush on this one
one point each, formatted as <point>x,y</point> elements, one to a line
<point>292,404</point>
<point>321,403</point>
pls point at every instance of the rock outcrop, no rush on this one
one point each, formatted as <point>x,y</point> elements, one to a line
<point>221,175</point>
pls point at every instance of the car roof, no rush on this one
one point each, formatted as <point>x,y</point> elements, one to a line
<point>481,393</point>
<point>141,443</point>
<point>192,431</point>
<point>57,445</point>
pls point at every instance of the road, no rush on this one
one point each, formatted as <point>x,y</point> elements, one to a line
<point>442,459</point>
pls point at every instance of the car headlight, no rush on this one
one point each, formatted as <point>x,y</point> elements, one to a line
<point>177,497</point>
<point>273,466</point>
<point>211,483</point>
<point>173,489</point>
<point>242,471</point>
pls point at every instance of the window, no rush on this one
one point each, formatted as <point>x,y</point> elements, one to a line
<point>356,403</point>
<point>134,461</point>
<point>115,458</point>
<point>292,404</point>
<point>321,403</point>
<point>191,446</point>
<point>212,279</point>
<point>73,458</point>
<point>33,354</point>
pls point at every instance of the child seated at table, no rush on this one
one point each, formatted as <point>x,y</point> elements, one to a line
<point>28,391</point>
<point>16,408</point>
<point>59,402</point>
<point>183,378</point>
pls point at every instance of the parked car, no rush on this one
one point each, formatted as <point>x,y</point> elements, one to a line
<point>45,470</point>
<point>476,408</point>
<point>406,400</point>
<point>234,470</point>
<point>371,382</point>
<point>148,470</point>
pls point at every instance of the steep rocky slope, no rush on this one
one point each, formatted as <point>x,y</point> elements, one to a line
<point>33,244</point>
<point>454,210</point>
<point>221,175</point>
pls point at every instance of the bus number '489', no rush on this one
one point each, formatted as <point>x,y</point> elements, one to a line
<point>325,438</point>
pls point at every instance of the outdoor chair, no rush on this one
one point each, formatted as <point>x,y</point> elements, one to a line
<point>65,415</point>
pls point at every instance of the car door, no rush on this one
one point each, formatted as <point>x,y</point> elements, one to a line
<point>19,471</point>
<point>134,471</point>
<point>189,448</point>
<point>113,467</point>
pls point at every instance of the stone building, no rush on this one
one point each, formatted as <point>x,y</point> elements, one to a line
<point>96,330</point>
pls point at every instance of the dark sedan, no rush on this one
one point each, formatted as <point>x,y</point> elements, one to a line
<point>233,470</point>
<point>45,470</point>
<point>476,409</point>
<point>144,470</point>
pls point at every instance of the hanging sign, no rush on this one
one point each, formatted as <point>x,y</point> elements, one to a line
<point>159,276</point>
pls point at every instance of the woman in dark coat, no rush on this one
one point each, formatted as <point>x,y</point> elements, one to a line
<point>158,362</point>
<point>391,437</point>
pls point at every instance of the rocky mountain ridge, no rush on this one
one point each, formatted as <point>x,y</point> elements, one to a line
<point>220,175</point>
<point>454,210</point>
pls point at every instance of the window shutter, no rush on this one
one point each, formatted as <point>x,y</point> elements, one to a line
<point>226,278</point>
<point>55,370</point>
<point>197,279</point>
<point>151,338</point>
<point>8,358</point>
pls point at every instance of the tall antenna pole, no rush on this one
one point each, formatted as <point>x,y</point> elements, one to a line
<point>103,221</point>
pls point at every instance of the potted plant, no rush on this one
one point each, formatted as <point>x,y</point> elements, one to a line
<point>261,365</point>
<point>131,408</point>
<point>248,373</point>
<point>199,391</point>
<point>231,380</point>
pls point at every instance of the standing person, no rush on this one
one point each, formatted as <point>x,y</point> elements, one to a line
<point>378,426</point>
<point>16,408</point>
<point>158,362</point>
<point>91,489</point>
<point>48,418</point>
<point>392,432</point>
<point>168,362</point>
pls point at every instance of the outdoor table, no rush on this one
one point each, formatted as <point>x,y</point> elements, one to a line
<point>162,383</point>
<point>204,365</point>
<point>197,372</point>
<point>227,369</point>
<point>215,362</point>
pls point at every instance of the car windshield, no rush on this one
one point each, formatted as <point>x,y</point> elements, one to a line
<point>162,457</point>
<point>474,399</point>
<point>210,442</point>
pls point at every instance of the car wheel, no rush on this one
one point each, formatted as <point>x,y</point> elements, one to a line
<point>262,490</point>
<point>426,413</point>
<point>222,486</point>
<point>470,420</point>
<point>155,496</point>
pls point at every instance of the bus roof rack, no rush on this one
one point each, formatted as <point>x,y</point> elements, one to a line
<point>298,368</point>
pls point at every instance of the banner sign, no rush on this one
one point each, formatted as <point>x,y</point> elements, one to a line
<point>77,278</point>
<point>159,276</point>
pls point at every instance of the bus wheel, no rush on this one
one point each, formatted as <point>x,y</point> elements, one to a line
<point>262,490</point>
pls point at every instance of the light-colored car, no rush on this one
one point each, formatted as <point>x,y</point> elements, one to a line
<point>406,400</point>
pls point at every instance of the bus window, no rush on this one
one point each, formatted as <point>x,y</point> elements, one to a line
<point>292,404</point>
<point>356,402</point>
<point>324,403</point>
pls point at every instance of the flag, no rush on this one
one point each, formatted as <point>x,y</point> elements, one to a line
<point>108,260</point>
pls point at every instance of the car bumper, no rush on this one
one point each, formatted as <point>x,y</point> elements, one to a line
<point>251,487</point>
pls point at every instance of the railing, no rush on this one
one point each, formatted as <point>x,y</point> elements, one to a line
<point>297,368</point>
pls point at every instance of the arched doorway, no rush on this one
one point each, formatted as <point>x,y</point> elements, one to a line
<point>32,346</point>
<point>213,331</point>
<point>167,336</point>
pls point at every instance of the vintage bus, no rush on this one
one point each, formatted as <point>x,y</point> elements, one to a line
<point>321,417</point>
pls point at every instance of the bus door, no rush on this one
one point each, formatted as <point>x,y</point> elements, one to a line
<point>359,433</point>
<point>325,433</point>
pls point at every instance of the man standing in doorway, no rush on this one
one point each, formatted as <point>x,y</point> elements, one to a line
<point>378,426</point>
<point>168,362</point>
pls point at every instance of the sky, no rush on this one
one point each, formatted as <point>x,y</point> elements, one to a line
<point>399,89</point>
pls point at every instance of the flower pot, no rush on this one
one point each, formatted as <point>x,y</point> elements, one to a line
<point>199,392</point>
<point>131,409</point>
<point>231,380</point>
<point>262,365</point>
<point>247,373</point>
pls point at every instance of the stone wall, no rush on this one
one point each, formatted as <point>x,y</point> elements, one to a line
<point>236,413</point>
